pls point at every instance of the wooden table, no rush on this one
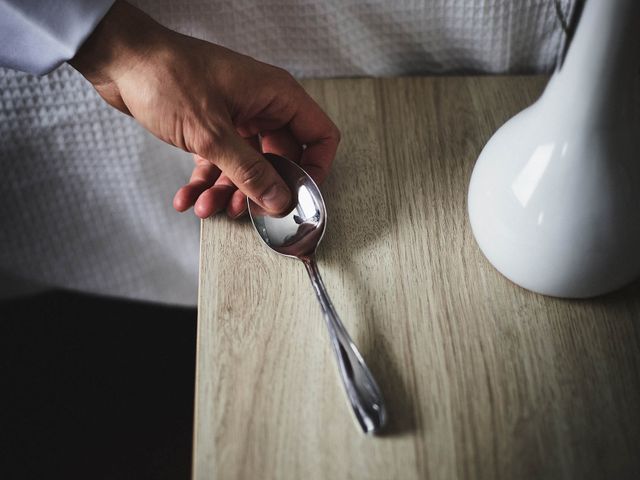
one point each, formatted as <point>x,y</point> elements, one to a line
<point>482,378</point>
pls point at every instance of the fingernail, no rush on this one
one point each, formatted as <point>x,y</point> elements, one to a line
<point>277,198</point>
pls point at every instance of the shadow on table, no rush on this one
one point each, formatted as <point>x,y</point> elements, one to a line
<point>619,301</point>
<point>401,417</point>
<point>340,245</point>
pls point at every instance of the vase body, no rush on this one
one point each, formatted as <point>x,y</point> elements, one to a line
<point>554,198</point>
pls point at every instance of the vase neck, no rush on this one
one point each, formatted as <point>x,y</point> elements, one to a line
<point>602,60</point>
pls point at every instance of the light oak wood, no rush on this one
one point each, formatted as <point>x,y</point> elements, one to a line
<point>483,379</point>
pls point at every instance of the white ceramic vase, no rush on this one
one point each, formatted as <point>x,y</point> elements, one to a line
<point>554,198</point>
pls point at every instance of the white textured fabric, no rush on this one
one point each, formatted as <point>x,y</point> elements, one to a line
<point>314,38</point>
<point>38,35</point>
<point>86,194</point>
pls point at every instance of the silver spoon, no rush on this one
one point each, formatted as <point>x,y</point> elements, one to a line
<point>297,234</point>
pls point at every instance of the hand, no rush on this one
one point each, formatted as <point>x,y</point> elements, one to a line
<point>217,104</point>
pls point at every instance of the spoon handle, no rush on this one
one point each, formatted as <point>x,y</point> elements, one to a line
<point>362,389</point>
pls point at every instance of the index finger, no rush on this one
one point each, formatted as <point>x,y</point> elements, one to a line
<point>313,128</point>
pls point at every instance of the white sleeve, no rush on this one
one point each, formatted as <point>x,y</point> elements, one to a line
<point>36,36</point>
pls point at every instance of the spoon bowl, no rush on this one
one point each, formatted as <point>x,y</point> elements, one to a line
<point>297,234</point>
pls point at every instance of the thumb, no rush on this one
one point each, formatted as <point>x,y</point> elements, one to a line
<point>249,171</point>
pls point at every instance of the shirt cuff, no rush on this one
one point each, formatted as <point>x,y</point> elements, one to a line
<point>36,36</point>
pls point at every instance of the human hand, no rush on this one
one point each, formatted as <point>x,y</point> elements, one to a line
<point>217,104</point>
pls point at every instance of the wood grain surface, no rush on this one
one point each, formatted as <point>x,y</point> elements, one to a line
<point>483,380</point>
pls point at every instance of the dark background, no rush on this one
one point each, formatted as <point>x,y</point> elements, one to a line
<point>95,388</point>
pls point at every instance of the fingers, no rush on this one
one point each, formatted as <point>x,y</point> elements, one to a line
<point>209,191</point>
<point>204,176</point>
<point>237,205</point>
<point>214,199</point>
<point>254,141</point>
<point>310,126</point>
<point>223,194</point>
<point>248,170</point>
<point>281,142</point>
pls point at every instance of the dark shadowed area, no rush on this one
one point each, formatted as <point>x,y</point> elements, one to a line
<point>95,388</point>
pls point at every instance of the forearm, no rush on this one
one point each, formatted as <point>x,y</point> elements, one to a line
<point>125,35</point>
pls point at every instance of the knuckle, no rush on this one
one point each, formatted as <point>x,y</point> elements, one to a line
<point>284,74</point>
<point>286,80</point>
<point>252,174</point>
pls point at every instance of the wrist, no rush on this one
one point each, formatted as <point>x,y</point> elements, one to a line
<point>123,37</point>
